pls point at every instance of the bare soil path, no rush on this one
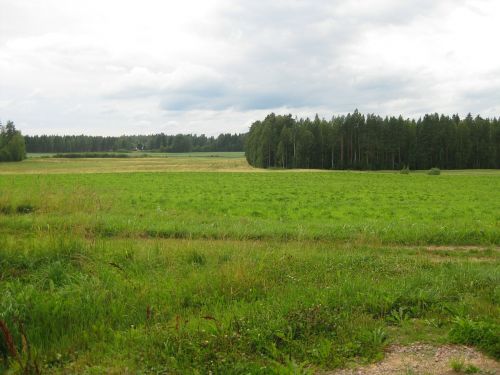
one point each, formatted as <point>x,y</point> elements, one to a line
<point>420,359</point>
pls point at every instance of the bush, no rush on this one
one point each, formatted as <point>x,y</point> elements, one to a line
<point>434,172</point>
<point>405,170</point>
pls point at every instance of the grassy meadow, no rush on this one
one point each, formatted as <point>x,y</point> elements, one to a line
<point>165,265</point>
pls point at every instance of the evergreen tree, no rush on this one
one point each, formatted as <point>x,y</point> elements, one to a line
<point>356,141</point>
<point>12,146</point>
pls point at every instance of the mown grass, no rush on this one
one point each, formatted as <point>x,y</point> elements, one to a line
<point>276,272</point>
<point>154,163</point>
<point>362,207</point>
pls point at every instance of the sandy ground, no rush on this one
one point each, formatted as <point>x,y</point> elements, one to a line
<point>425,359</point>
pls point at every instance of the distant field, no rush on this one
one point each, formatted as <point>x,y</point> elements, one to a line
<point>172,267</point>
<point>109,165</point>
<point>201,162</point>
<point>163,154</point>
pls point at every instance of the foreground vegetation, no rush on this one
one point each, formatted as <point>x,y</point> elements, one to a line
<point>101,305</point>
<point>276,272</point>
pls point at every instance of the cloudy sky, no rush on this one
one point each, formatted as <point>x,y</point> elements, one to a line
<point>115,67</point>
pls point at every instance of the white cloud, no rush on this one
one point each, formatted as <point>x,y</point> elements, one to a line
<point>216,65</point>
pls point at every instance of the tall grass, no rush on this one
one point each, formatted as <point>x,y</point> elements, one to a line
<point>204,305</point>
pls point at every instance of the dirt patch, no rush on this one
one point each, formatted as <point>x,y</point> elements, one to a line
<point>426,359</point>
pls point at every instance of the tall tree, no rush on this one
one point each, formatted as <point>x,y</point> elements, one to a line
<point>12,146</point>
<point>370,142</point>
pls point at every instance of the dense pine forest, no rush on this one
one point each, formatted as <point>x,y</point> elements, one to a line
<point>156,142</point>
<point>370,142</point>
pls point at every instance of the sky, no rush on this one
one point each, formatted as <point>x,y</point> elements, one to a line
<point>112,67</point>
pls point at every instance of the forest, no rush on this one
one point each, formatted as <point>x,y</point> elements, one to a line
<point>371,142</point>
<point>12,147</point>
<point>155,142</point>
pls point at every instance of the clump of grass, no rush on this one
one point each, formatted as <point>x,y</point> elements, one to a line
<point>305,322</point>
<point>457,365</point>
<point>196,258</point>
<point>434,172</point>
<point>461,367</point>
<point>398,316</point>
<point>25,208</point>
<point>6,209</point>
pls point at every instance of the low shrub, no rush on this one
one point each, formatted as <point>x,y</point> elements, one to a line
<point>434,172</point>
<point>405,170</point>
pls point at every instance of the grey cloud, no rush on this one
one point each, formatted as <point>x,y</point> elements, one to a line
<point>287,49</point>
<point>241,59</point>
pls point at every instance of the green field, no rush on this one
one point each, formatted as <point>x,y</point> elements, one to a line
<point>167,265</point>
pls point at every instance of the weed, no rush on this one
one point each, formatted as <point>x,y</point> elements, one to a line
<point>378,336</point>
<point>6,209</point>
<point>460,366</point>
<point>398,316</point>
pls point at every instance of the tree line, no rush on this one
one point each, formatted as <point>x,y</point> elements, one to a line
<point>12,147</point>
<point>370,142</point>
<point>155,142</point>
